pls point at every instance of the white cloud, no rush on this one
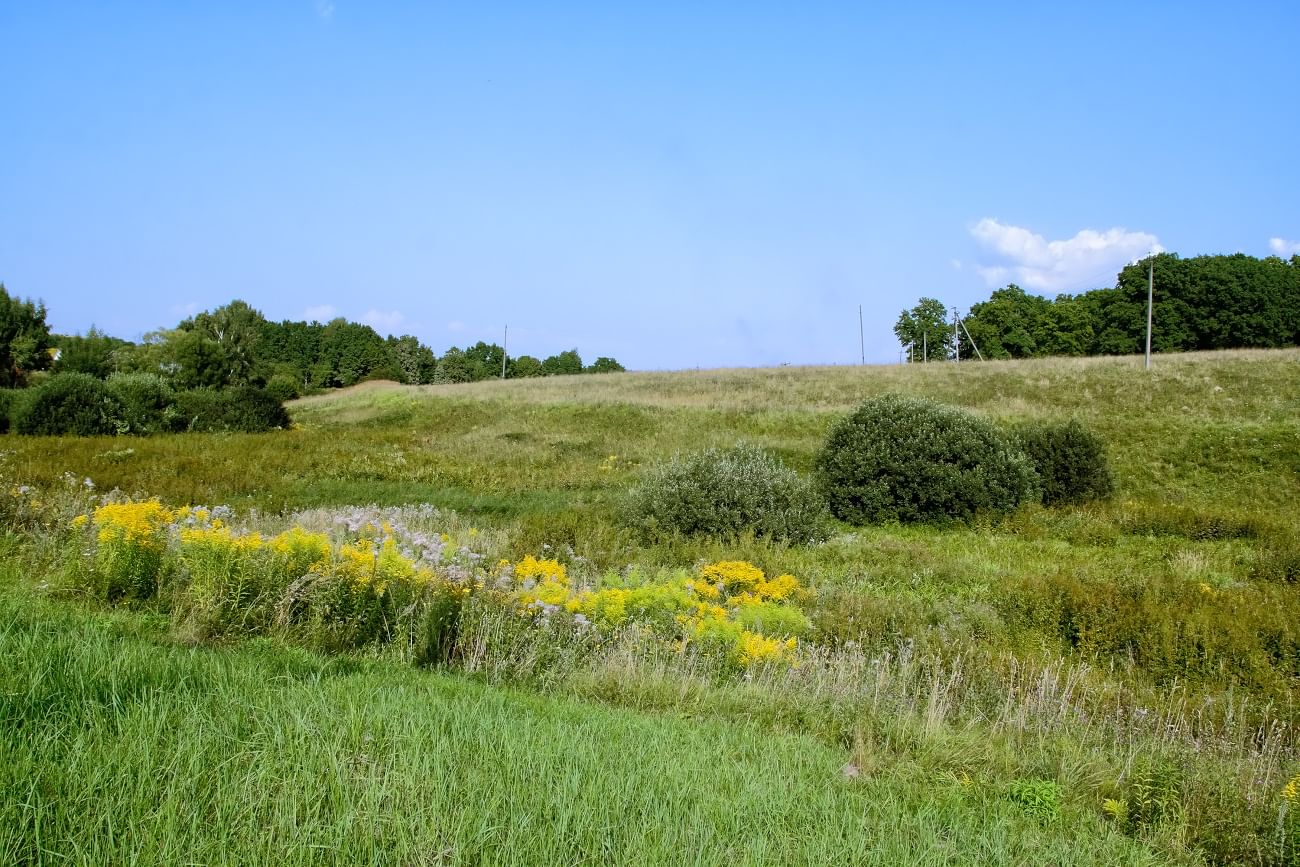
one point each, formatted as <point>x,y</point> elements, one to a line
<point>1284,248</point>
<point>325,8</point>
<point>381,320</point>
<point>322,313</point>
<point>1081,262</point>
<point>456,325</point>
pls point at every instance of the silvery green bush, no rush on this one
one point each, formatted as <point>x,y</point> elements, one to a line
<point>728,492</point>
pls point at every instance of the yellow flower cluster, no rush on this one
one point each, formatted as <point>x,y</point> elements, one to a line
<point>755,648</point>
<point>1291,791</point>
<point>143,524</point>
<point>754,625</point>
<point>541,570</point>
<point>736,575</point>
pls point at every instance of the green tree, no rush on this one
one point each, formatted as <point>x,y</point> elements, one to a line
<point>25,340</point>
<point>416,361</point>
<point>925,326</point>
<point>237,329</point>
<point>485,360</point>
<point>524,366</point>
<point>567,362</point>
<point>604,365</point>
<point>454,366</point>
<point>96,353</point>
<point>196,360</point>
<point>355,352</point>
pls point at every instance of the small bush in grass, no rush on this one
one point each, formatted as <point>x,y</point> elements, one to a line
<point>148,402</point>
<point>69,403</point>
<point>908,459</point>
<point>243,409</point>
<point>1070,461</point>
<point>728,492</point>
<point>284,386</point>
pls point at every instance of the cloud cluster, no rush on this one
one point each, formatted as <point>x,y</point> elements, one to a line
<point>1075,264</point>
<point>382,321</point>
<point>321,313</point>
<point>1284,248</point>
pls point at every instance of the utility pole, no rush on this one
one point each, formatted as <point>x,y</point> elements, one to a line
<point>1151,290</point>
<point>956,340</point>
<point>862,346</point>
<point>925,347</point>
<point>505,352</point>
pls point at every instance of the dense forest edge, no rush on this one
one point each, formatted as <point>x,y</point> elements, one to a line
<point>1201,303</point>
<point>235,345</point>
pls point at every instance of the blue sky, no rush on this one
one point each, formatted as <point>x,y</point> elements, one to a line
<point>672,184</point>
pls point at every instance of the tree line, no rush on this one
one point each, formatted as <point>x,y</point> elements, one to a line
<point>235,345</point>
<point>1201,303</point>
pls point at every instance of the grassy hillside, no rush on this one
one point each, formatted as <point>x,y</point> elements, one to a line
<point>1087,683</point>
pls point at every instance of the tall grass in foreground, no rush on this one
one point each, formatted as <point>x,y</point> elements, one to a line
<point>115,749</point>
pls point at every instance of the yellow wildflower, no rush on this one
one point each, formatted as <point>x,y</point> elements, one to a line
<point>1291,791</point>
<point>736,575</point>
<point>754,648</point>
<point>540,570</point>
<point>780,588</point>
<point>134,523</point>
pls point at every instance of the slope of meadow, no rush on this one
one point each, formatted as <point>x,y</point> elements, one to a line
<point>1090,684</point>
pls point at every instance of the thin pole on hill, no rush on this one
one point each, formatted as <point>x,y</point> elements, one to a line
<point>1151,289</point>
<point>862,346</point>
<point>925,346</point>
<point>956,338</point>
<point>505,350</point>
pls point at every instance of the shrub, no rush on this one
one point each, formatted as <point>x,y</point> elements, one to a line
<point>727,492</point>
<point>244,409</point>
<point>283,386</point>
<point>69,403</point>
<point>1070,461</point>
<point>915,460</point>
<point>148,402</point>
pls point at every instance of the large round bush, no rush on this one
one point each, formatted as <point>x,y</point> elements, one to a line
<point>728,492</point>
<point>148,402</point>
<point>1070,461</point>
<point>244,409</point>
<point>67,403</point>
<point>908,459</point>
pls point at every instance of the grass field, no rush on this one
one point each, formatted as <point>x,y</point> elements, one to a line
<point>1114,683</point>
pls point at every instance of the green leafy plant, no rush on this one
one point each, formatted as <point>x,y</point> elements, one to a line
<point>244,409</point>
<point>1038,798</point>
<point>1070,461</point>
<point>284,386</point>
<point>69,403</point>
<point>148,402</point>
<point>727,492</point>
<point>910,459</point>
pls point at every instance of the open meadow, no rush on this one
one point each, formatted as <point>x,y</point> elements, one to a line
<point>527,676</point>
